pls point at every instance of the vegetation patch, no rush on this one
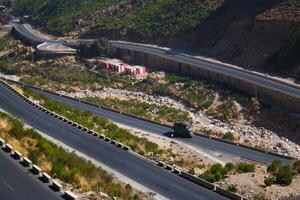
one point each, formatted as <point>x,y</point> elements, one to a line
<point>279,174</point>
<point>61,164</point>
<point>154,112</point>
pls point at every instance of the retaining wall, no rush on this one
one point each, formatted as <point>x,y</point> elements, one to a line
<point>264,94</point>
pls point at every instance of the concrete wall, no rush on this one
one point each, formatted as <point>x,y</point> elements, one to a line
<point>265,95</point>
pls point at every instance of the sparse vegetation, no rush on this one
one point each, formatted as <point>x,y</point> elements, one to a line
<point>245,167</point>
<point>155,112</point>
<point>281,175</point>
<point>217,172</point>
<point>228,136</point>
<point>232,188</point>
<point>296,166</point>
<point>269,181</point>
<point>59,163</point>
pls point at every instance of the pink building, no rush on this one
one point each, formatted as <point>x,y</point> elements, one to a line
<point>119,67</point>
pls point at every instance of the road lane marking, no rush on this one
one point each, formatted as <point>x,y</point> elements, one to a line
<point>5,183</point>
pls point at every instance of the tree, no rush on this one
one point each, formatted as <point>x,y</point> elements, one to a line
<point>100,47</point>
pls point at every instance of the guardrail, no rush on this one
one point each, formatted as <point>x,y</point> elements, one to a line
<point>155,122</point>
<point>176,171</point>
<point>35,170</point>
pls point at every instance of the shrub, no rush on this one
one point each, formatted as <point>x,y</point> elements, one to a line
<point>229,167</point>
<point>208,177</point>
<point>246,167</point>
<point>274,167</point>
<point>269,181</point>
<point>296,166</point>
<point>228,136</point>
<point>284,176</point>
<point>232,188</point>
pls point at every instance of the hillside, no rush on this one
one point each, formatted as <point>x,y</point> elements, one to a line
<point>258,34</point>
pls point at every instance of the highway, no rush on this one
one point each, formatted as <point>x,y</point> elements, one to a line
<point>16,183</point>
<point>220,150</point>
<point>153,177</point>
<point>245,75</point>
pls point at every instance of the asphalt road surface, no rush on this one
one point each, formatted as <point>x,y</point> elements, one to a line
<point>220,150</point>
<point>153,177</point>
<point>16,183</point>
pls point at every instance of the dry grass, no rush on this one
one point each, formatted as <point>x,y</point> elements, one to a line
<point>5,128</point>
<point>29,143</point>
<point>44,164</point>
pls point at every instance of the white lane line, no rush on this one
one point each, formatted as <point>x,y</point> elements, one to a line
<point>5,183</point>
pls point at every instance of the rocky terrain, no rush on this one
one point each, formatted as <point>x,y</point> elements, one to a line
<point>243,129</point>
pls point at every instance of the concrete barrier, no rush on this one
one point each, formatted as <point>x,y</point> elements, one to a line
<point>46,178</point>
<point>169,167</point>
<point>114,142</point>
<point>101,136</point>
<point>161,164</point>
<point>68,195</point>
<point>2,143</point>
<point>26,162</point>
<point>176,171</point>
<point>95,134</point>
<point>107,139</point>
<point>56,186</point>
<point>119,145</point>
<point>198,181</point>
<point>17,155</point>
<point>8,148</point>
<point>228,194</point>
<point>36,170</point>
<point>126,148</point>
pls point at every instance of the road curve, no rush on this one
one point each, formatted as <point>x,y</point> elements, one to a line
<point>220,150</point>
<point>17,184</point>
<point>161,181</point>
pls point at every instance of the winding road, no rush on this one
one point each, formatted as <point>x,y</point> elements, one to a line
<point>217,149</point>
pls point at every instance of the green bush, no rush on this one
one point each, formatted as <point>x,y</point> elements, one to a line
<point>284,176</point>
<point>296,166</point>
<point>229,167</point>
<point>232,188</point>
<point>228,136</point>
<point>246,167</point>
<point>217,172</point>
<point>269,181</point>
<point>208,177</point>
<point>274,167</point>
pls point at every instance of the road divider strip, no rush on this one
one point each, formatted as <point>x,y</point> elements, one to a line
<point>57,187</point>
<point>37,171</point>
